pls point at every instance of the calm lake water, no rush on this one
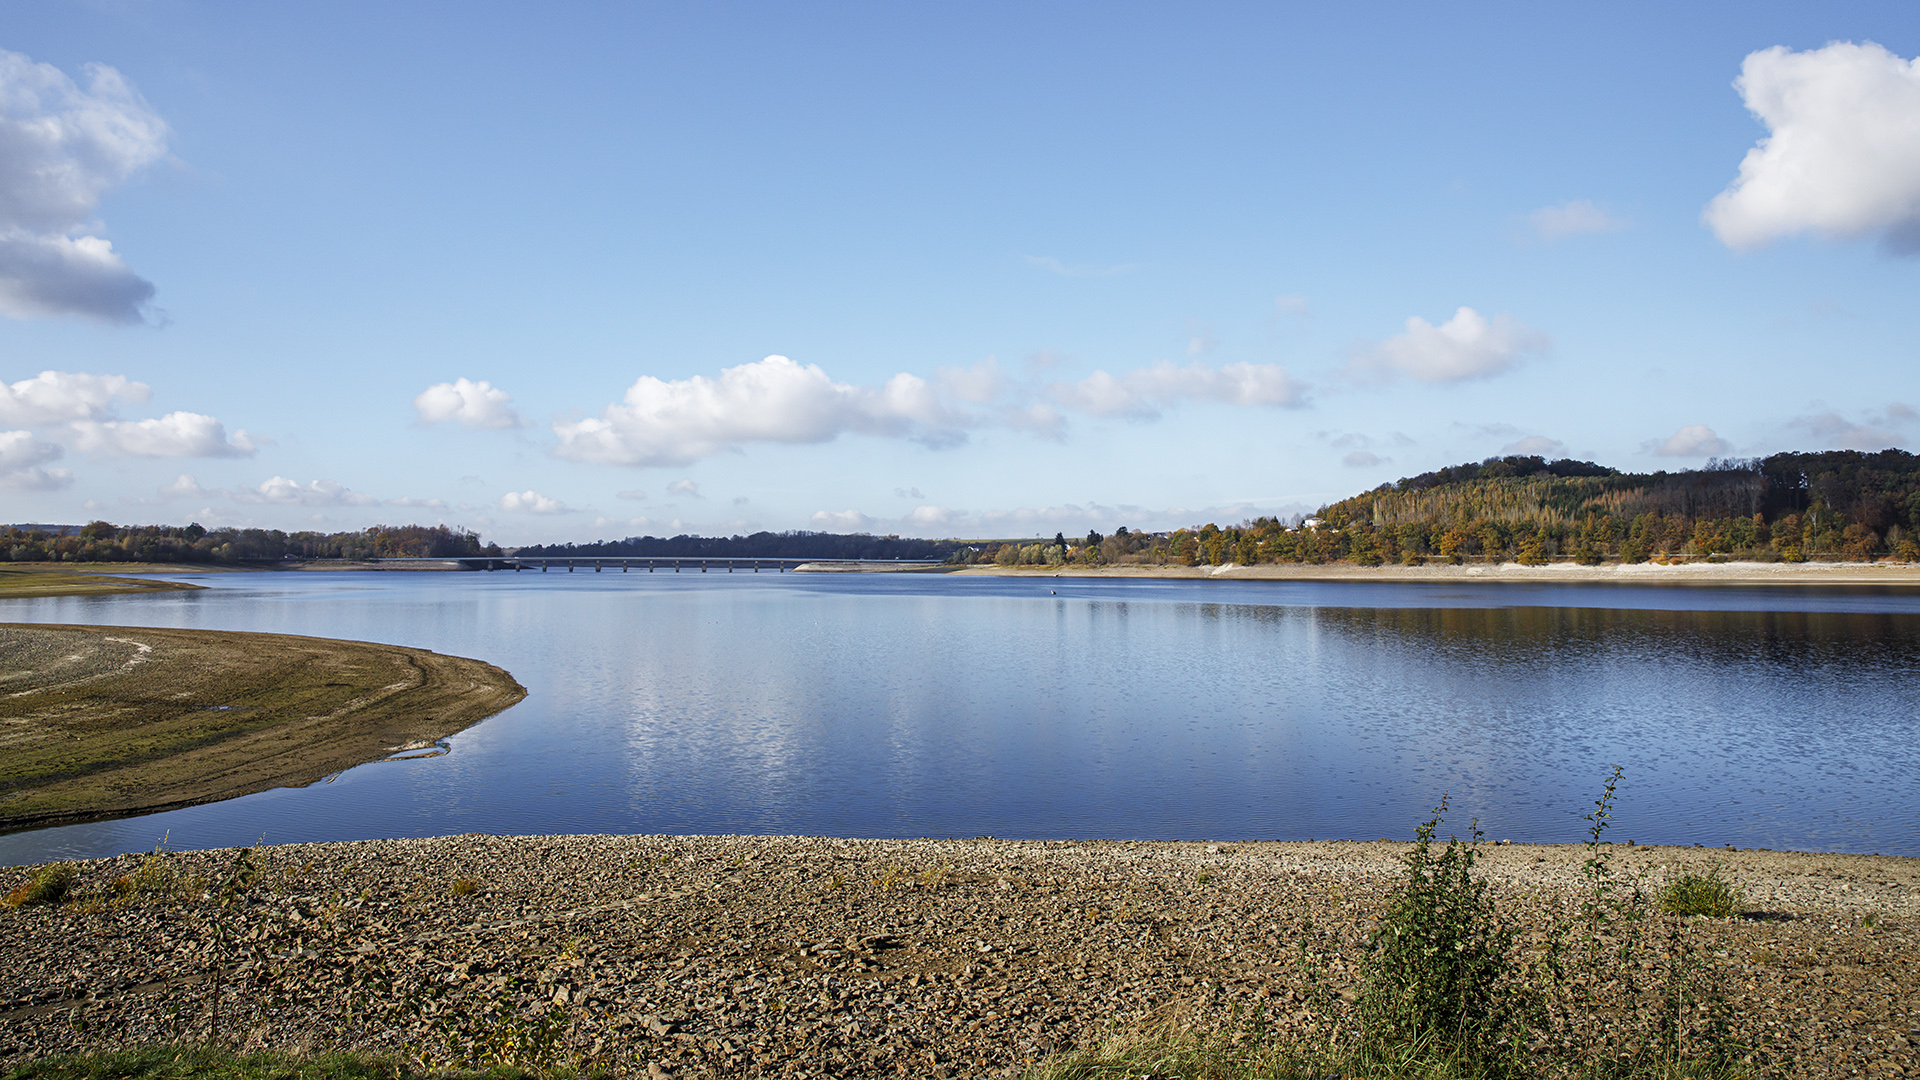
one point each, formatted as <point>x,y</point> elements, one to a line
<point>922,705</point>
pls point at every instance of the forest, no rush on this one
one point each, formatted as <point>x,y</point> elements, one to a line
<point>760,545</point>
<point>1829,505</point>
<point>102,541</point>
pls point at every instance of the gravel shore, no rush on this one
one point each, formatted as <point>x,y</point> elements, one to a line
<point>775,956</point>
<point>1817,574</point>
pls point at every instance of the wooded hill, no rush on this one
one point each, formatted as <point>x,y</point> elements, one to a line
<point>799,544</point>
<point>1836,504</point>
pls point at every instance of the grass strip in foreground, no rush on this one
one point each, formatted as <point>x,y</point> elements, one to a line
<point>101,722</point>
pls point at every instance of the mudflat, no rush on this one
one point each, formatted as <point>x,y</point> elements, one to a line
<point>100,722</point>
<point>810,957</point>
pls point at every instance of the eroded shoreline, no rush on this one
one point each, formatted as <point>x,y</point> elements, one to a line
<point>1640,574</point>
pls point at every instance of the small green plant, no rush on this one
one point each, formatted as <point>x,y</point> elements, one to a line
<point>1701,892</point>
<point>1439,972</point>
<point>465,887</point>
<point>48,885</point>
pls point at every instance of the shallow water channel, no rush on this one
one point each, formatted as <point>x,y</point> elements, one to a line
<point>927,705</point>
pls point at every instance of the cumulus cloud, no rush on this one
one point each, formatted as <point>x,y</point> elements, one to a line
<point>1142,392</point>
<point>686,488</point>
<point>184,486</point>
<point>927,516</point>
<point>842,521</point>
<point>531,502</point>
<point>62,148</point>
<point>177,434</point>
<point>677,422</point>
<point>1877,430</point>
<point>1363,459</point>
<point>1467,346</point>
<point>1576,218</point>
<point>23,463</point>
<point>470,404</point>
<point>56,397</point>
<point>281,491</point>
<point>1694,440</point>
<point>1842,155</point>
<point>1536,445</point>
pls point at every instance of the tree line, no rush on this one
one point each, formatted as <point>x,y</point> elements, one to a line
<point>798,544</point>
<point>1830,505</point>
<point>103,541</point>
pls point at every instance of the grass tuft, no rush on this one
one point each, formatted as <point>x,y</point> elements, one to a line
<point>48,885</point>
<point>1699,892</point>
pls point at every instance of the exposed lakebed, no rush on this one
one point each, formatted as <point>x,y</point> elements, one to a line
<point>884,705</point>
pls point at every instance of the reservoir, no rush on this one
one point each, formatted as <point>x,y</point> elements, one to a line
<point>924,705</point>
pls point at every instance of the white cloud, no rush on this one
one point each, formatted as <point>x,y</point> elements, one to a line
<point>1576,218</point>
<point>932,515</point>
<point>61,149</point>
<point>842,521</point>
<point>1842,155</point>
<point>1467,346</point>
<point>1140,393</point>
<point>684,487</point>
<point>1875,431</point>
<point>56,397</point>
<point>177,434</point>
<point>284,492</point>
<point>470,404</point>
<point>417,504</point>
<point>677,422</point>
<point>1694,440</point>
<point>531,502</point>
<point>1363,459</point>
<point>1536,445</point>
<point>978,384</point>
<point>184,486</point>
<point>23,461</point>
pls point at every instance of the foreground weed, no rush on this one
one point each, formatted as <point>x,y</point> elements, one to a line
<point>1439,974</point>
<point>48,885</point>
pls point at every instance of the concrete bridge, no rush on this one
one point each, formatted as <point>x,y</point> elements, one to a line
<point>645,563</point>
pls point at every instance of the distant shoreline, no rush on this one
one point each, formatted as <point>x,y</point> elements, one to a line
<point>1729,573</point>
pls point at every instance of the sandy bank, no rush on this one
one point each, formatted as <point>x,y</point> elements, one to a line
<point>770,956</point>
<point>1731,573</point>
<point>100,722</point>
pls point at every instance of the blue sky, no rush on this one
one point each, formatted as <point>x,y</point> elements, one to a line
<point>1028,268</point>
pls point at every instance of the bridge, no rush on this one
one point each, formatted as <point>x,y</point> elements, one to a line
<point>627,564</point>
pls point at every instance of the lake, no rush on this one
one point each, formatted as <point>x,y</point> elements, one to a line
<point>925,705</point>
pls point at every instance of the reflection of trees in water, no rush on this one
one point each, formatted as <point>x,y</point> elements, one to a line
<point>1531,635</point>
